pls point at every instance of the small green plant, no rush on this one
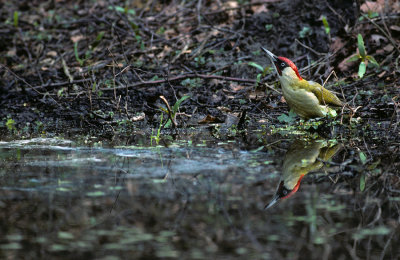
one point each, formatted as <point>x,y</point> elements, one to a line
<point>10,124</point>
<point>200,61</point>
<point>268,27</point>
<point>363,57</point>
<point>306,31</point>
<point>38,127</point>
<point>291,117</point>
<point>123,10</point>
<point>263,71</point>
<point>362,181</point>
<point>88,53</point>
<point>326,25</point>
<point>78,59</point>
<point>191,83</point>
<point>174,110</point>
<point>157,137</point>
<point>370,15</point>
<point>16,18</point>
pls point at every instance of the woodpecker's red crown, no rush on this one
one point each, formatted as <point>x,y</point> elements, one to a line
<point>281,63</point>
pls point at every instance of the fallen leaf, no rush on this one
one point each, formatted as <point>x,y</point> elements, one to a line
<point>235,87</point>
<point>139,117</point>
<point>259,9</point>
<point>207,119</point>
<point>52,54</point>
<point>370,6</point>
<point>377,38</point>
<point>11,52</point>
<point>216,82</point>
<point>388,48</point>
<point>395,28</point>
<point>77,38</point>
<point>224,109</point>
<point>256,94</point>
<point>337,44</point>
<point>345,64</point>
<point>381,74</point>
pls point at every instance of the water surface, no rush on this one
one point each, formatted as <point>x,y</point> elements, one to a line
<point>199,199</point>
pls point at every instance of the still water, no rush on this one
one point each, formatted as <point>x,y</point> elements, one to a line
<point>280,197</point>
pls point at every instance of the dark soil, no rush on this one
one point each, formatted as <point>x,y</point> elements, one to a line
<point>111,69</point>
<point>123,61</point>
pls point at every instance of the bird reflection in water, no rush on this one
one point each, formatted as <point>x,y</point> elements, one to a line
<point>301,158</point>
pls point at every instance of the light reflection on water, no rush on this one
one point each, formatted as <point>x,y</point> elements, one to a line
<point>159,193</point>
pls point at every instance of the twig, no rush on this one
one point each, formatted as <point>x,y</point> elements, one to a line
<point>309,48</point>
<point>385,33</point>
<point>330,74</point>
<point>170,114</point>
<point>24,81</point>
<point>241,6</point>
<point>181,77</point>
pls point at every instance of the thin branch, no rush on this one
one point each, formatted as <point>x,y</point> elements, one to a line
<point>181,77</point>
<point>170,113</point>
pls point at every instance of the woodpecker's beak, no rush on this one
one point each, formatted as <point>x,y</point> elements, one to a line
<point>272,202</point>
<point>271,56</point>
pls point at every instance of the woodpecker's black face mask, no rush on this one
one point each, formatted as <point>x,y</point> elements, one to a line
<point>280,66</point>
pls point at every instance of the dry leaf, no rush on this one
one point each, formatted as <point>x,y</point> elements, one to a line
<point>377,6</point>
<point>395,28</point>
<point>207,119</point>
<point>388,48</point>
<point>377,38</point>
<point>256,94</point>
<point>337,44</point>
<point>52,54</point>
<point>216,82</point>
<point>235,87</point>
<point>259,9</point>
<point>139,117</point>
<point>224,109</point>
<point>77,38</point>
<point>345,65</point>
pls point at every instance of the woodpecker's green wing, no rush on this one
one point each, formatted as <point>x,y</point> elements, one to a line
<point>324,96</point>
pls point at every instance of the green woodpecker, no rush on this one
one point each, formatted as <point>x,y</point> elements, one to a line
<point>300,159</point>
<point>308,99</point>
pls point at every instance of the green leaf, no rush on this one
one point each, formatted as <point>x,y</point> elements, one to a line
<point>65,235</point>
<point>353,58</point>
<point>363,158</point>
<point>10,124</point>
<point>326,25</point>
<point>174,110</point>
<point>178,103</point>
<point>268,27</point>
<point>287,118</point>
<point>362,182</point>
<point>361,47</point>
<point>305,31</point>
<point>80,61</point>
<point>372,60</point>
<point>257,66</point>
<point>372,14</point>
<point>98,39</point>
<point>95,193</point>
<point>16,18</point>
<point>361,69</point>
<point>117,8</point>
<point>283,118</point>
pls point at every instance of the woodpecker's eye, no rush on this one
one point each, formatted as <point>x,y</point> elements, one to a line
<point>284,192</point>
<point>283,64</point>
